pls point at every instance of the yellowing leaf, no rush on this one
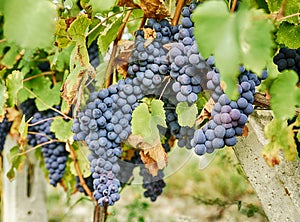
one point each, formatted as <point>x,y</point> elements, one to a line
<point>14,83</point>
<point>186,114</point>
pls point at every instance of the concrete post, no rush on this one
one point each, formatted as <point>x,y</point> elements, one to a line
<point>24,198</point>
<point>278,188</point>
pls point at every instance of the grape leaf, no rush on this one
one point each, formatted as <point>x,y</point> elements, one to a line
<point>78,29</point>
<point>61,35</point>
<point>158,113</point>
<point>245,39</point>
<point>281,137</point>
<point>10,57</point>
<point>100,6</point>
<point>75,79</point>
<point>291,7</point>
<point>16,159</point>
<point>101,74</point>
<point>284,95</point>
<point>145,123</point>
<point>3,97</point>
<point>81,153</point>
<point>153,155</point>
<point>61,128</point>
<point>288,35</point>
<point>186,114</point>
<point>14,83</point>
<point>47,96</point>
<point>109,34</point>
<point>141,121</point>
<point>29,23</point>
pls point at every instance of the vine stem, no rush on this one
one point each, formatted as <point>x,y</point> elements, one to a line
<point>41,121</point>
<point>36,147</point>
<point>288,16</point>
<point>38,75</point>
<point>179,6</point>
<point>77,168</point>
<point>52,108</point>
<point>109,69</point>
<point>233,6</point>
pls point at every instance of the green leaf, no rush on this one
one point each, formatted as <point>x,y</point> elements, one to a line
<point>245,38</point>
<point>101,74</point>
<point>284,95</point>
<point>100,6</point>
<point>61,128</point>
<point>16,160</point>
<point>14,83</point>
<point>288,35</point>
<point>109,34</point>
<point>29,23</point>
<point>47,96</point>
<point>291,7</point>
<point>141,121</point>
<point>158,113</point>
<point>78,29</point>
<point>9,59</point>
<point>145,123</point>
<point>2,97</point>
<point>281,137</point>
<point>81,153</point>
<point>186,114</point>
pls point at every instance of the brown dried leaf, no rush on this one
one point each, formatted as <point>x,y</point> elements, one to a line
<point>154,9</point>
<point>152,155</point>
<point>121,61</point>
<point>127,3</point>
<point>206,112</point>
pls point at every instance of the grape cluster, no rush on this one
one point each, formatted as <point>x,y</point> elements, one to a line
<point>186,63</point>
<point>4,130</point>
<point>288,59</point>
<point>228,117</point>
<point>153,185</point>
<point>55,154</point>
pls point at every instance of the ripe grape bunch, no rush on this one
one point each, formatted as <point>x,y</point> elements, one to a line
<point>39,134</point>
<point>288,59</point>
<point>176,74</point>
<point>228,117</point>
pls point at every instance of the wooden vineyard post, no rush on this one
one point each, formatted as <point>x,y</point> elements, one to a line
<point>24,198</point>
<point>278,188</point>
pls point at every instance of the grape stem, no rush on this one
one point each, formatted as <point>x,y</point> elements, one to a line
<point>109,69</point>
<point>37,146</point>
<point>77,168</point>
<point>177,14</point>
<point>38,75</point>
<point>233,5</point>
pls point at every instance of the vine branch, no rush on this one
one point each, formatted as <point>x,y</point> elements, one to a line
<point>77,168</point>
<point>177,14</point>
<point>109,69</point>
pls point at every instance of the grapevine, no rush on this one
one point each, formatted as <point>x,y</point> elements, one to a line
<point>95,98</point>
